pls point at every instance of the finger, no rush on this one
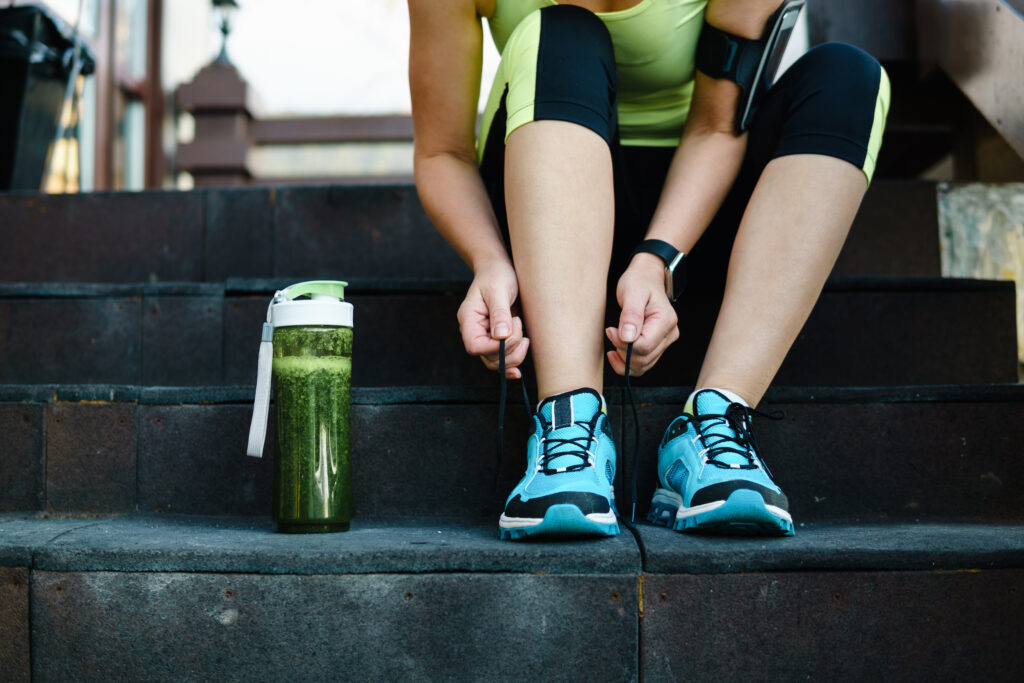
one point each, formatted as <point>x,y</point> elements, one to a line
<point>499,313</point>
<point>631,320</point>
<point>515,358</point>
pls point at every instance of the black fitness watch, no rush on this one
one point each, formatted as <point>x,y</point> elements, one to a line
<point>675,276</point>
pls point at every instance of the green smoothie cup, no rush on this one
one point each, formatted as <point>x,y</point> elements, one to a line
<point>307,349</point>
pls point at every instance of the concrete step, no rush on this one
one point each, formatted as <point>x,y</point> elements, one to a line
<point>341,232</point>
<point>928,453</point>
<point>864,332</point>
<point>200,598</point>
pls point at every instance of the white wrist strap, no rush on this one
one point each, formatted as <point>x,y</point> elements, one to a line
<point>261,404</point>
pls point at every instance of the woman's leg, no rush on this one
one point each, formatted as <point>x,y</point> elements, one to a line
<point>823,134</point>
<point>788,241</point>
<point>559,199</point>
<point>550,178</point>
<point>547,162</point>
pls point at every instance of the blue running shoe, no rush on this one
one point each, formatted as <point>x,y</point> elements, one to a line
<point>570,467</point>
<point>711,477</point>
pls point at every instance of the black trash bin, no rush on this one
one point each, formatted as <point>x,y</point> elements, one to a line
<point>36,61</point>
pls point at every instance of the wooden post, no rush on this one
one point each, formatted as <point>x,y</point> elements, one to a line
<point>222,104</point>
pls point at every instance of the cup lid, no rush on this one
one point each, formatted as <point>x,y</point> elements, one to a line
<point>313,303</point>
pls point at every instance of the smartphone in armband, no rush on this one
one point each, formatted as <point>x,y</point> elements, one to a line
<point>751,64</point>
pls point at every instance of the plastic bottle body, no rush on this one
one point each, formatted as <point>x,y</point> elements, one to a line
<point>312,369</point>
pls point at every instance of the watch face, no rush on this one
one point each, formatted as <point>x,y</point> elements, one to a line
<point>668,285</point>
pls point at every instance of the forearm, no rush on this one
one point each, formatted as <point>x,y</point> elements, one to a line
<point>702,172</point>
<point>454,198</point>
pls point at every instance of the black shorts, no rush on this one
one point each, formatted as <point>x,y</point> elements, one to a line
<point>832,101</point>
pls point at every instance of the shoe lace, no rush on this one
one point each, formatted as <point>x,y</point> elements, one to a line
<point>502,398</point>
<point>558,447</point>
<point>738,419</point>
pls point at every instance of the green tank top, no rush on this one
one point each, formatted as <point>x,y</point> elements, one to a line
<point>655,43</point>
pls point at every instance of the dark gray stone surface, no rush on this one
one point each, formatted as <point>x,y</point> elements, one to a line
<point>238,241</point>
<point>861,338</point>
<point>839,546</point>
<point>182,340</point>
<point>195,627</point>
<point>849,626</point>
<point>90,457</point>
<point>21,535</point>
<point>102,237</point>
<point>21,457</point>
<point>243,324</point>
<point>896,230</point>
<point>165,543</point>
<point>914,460</point>
<point>15,659</point>
<point>192,459</point>
<point>69,340</point>
<point>863,332</point>
<point>882,27</point>
<point>340,232</point>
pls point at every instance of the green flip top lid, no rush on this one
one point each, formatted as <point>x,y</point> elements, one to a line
<point>334,288</point>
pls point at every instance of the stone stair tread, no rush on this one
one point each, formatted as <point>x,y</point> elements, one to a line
<point>839,545</point>
<point>183,543</point>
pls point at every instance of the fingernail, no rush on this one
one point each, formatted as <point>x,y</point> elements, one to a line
<point>501,330</point>
<point>628,333</point>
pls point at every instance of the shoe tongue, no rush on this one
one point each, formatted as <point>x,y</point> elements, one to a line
<point>710,402</point>
<point>567,414</point>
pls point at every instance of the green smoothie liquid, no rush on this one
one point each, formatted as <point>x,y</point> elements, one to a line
<point>312,476</point>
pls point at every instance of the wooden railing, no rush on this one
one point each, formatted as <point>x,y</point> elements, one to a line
<point>231,138</point>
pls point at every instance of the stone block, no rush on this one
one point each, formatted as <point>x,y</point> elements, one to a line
<point>15,657</point>
<point>243,322</point>
<point>23,535</point>
<point>21,457</point>
<point>239,233</point>
<point>73,341</point>
<point>192,459</point>
<point>839,546</point>
<point>850,626</point>
<point>366,231</point>
<point>182,340</point>
<point>90,457</point>
<point>190,543</point>
<point>894,232</point>
<point>901,336</point>
<point>198,627</point>
<point>102,237</point>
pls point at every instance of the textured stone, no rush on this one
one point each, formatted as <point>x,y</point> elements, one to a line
<point>239,233</point>
<point>81,340</point>
<point>243,323</point>
<point>921,459</point>
<point>893,544</point>
<point>247,544</point>
<point>894,232</point>
<point>887,337</point>
<point>982,235</point>
<point>90,457</point>
<point>21,457</point>
<point>346,231</point>
<point>102,237</point>
<point>198,627</point>
<point>21,535</point>
<point>192,459</point>
<point>15,660</point>
<point>182,340</point>
<point>851,626</point>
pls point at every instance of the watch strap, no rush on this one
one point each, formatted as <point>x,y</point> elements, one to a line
<point>660,248</point>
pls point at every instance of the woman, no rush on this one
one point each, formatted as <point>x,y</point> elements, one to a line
<point>603,132</point>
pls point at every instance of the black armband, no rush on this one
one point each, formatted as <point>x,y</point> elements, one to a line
<point>751,64</point>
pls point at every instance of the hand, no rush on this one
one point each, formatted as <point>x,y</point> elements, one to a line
<point>485,316</point>
<point>648,319</point>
